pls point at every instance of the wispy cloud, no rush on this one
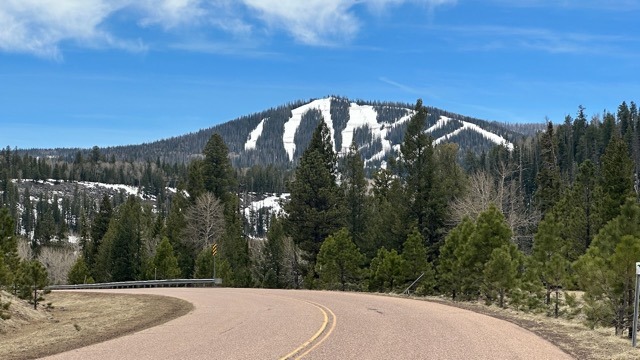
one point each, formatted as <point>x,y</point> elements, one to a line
<point>489,38</point>
<point>411,89</point>
<point>40,27</point>
<point>608,5</point>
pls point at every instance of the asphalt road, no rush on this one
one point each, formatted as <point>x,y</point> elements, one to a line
<point>279,324</point>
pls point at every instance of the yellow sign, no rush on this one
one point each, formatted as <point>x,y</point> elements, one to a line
<point>214,249</point>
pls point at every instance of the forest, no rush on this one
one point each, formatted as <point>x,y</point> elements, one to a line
<point>551,226</point>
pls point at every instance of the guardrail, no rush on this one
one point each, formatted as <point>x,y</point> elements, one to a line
<point>141,284</point>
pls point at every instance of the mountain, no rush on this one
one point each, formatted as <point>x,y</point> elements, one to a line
<point>280,135</point>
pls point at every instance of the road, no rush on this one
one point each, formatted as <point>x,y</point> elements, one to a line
<point>279,324</point>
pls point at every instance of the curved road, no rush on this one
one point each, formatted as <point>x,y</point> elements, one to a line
<point>280,324</point>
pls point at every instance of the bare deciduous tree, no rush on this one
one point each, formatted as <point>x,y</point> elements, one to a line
<point>504,191</point>
<point>58,261</point>
<point>205,222</point>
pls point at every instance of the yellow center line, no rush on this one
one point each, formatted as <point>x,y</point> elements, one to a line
<point>317,334</point>
<point>333,326</point>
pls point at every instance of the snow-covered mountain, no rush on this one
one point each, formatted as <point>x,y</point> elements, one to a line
<point>280,135</point>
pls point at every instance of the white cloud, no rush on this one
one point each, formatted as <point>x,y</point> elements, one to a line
<point>39,27</point>
<point>323,22</point>
<point>315,22</point>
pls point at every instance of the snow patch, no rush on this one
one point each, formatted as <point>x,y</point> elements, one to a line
<point>386,144</point>
<point>273,202</point>
<point>254,135</point>
<point>497,139</point>
<point>291,126</point>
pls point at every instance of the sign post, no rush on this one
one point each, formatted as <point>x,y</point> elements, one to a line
<point>214,252</point>
<point>634,336</point>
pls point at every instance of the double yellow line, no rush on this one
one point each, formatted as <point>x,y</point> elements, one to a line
<point>315,340</point>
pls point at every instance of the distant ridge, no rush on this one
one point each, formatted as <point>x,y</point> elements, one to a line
<point>279,135</point>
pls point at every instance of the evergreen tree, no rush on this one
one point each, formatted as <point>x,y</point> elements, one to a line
<point>500,272</point>
<point>217,173</point>
<point>491,233</point>
<point>338,263</point>
<point>616,179</point>
<point>32,277</point>
<point>271,267</point>
<point>314,209</point>
<point>426,205</point>
<point>450,268</point>
<point>121,256</point>
<point>176,225</point>
<point>548,180</point>
<point>204,265</point>
<point>415,256</point>
<point>607,271</point>
<point>164,262</point>
<point>79,273</point>
<point>387,271</point>
<point>99,228</point>
<point>548,252</point>
<point>354,187</point>
<point>8,245</point>
<point>388,226</point>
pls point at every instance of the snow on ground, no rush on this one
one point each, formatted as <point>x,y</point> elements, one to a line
<point>273,202</point>
<point>291,126</point>
<point>129,190</point>
<point>439,124</point>
<point>497,139</point>
<point>386,144</point>
<point>359,116</point>
<point>254,135</point>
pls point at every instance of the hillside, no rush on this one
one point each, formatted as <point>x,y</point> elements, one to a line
<point>279,135</point>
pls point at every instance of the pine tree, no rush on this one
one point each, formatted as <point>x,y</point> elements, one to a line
<point>500,272</point>
<point>387,271</point>
<point>314,210</point>
<point>450,268</point>
<point>548,252</point>
<point>271,266</point>
<point>32,277</point>
<point>354,187</point>
<point>79,273</point>
<point>607,271</point>
<point>164,262</point>
<point>548,180</point>
<point>217,172</point>
<point>204,265</point>
<point>616,180</point>
<point>338,263</point>
<point>8,245</point>
<point>121,256</point>
<point>426,204</point>
<point>491,232</point>
<point>415,256</point>
<point>98,230</point>
<point>176,225</point>
<point>389,209</point>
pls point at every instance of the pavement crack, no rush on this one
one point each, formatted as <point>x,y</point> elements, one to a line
<point>376,310</point>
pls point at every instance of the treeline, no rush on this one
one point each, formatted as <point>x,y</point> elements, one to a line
<point>520,229</point>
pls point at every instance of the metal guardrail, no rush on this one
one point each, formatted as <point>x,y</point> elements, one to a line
<point>141,284</point>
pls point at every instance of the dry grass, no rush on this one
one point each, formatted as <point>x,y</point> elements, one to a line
<point>572,336</point>
<point>81,319</point>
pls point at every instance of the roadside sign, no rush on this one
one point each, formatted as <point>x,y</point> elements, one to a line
<point>214,249</point>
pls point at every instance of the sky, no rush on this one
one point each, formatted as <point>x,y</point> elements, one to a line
<point>79,73</point>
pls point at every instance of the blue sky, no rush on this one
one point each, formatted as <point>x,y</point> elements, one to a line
<point>78,73</point>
